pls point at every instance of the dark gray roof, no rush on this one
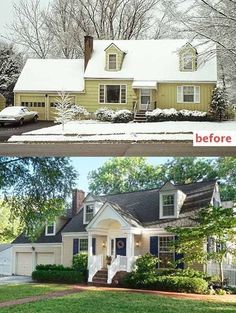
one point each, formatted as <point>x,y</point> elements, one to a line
<point>143,206</point>
<point>43,238</point>
<point>5,246</point>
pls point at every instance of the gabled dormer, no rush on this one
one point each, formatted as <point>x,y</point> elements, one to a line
<point>92,205</point>
<point>113,58</point>
<point>171,201</point>
<point>188,58</point>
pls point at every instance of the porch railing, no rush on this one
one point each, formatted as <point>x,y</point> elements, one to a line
<point>95,264</point>
<point>229,272</point>
<point>148,106</point>
<point>120,263</point>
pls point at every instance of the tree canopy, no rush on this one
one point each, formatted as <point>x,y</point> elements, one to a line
<point>36,189</point>
<point>130,174</point>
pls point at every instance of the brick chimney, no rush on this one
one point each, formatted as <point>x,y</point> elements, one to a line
<point>88,49</point>
<point>77,201</point>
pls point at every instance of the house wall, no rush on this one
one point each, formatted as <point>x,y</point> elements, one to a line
<point>6,262</point>
<point>2,102</point>
<point>165,97</point>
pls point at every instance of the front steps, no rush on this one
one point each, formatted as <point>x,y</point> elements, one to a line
<point>100,278</point>
<point>140,117</point>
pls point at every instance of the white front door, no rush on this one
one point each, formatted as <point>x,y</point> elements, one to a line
<point>145,98</point>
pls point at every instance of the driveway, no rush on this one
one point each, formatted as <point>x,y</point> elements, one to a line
<point>10,130</point>
<point>15,280</point>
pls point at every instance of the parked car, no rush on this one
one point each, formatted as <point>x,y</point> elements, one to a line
<point>17,114</point>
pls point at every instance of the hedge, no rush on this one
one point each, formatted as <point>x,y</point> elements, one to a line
<point>168,283</point>
<point>58,276</point>
<point>52,267</point>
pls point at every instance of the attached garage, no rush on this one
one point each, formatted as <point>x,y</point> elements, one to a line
<point>24,263</point>
<point>45,258</point>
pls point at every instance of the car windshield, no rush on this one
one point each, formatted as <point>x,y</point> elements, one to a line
<point>11,110</point>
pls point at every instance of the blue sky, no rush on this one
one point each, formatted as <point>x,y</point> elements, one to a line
<point>85,165</point>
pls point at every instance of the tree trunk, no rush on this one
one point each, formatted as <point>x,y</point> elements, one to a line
<point>221,274</point>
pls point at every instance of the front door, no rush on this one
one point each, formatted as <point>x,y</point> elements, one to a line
<point>145,98</point>
<point>121,246</point>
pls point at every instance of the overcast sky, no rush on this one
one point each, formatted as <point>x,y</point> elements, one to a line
<point>6,12</point>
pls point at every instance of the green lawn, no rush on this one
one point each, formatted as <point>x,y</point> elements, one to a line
<point>117,302</point>
<point>13,292</point>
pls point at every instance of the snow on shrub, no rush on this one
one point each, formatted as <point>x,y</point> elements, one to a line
<point>108,115</point>
<point>173,114</point>
<point>122,116</point>
<point>104,114</point>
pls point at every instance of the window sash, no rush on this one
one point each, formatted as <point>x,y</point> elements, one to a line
<point>168,205</point>
<point>83,245</point>
<point>89,210</point>
<point>112,61</point>
<point>188,62</point>
<point>164,253</point>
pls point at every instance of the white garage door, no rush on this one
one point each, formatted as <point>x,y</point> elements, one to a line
<point>45,258</point>
<point>24,264</point>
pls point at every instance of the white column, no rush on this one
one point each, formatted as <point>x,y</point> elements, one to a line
<point>130,250</point>
<point>90,245</point>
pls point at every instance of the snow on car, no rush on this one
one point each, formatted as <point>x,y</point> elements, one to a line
<point>18,115</point>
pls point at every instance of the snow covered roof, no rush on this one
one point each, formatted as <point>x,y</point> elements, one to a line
<point>153,60</point>
<point>51,75</point>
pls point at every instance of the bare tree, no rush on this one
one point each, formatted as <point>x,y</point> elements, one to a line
<point>29,29</point>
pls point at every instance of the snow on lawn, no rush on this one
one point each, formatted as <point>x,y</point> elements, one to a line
<point>81,131</point>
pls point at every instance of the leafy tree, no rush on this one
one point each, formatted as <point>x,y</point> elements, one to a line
<point>124,175</point>
<point>9,226</point>
<point>187,170</point>
<point>36,189</point>
<point>214,227</point>
<point>10,67</point>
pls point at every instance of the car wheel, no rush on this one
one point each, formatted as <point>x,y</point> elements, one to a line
<point>35,119</point>
<point>21,122</point>
<point>2,124</point>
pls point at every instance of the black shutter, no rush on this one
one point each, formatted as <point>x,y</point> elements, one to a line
<point>94,246</point>
<point>179,256</point>
<point>75,246</point>
<point>154,245</point>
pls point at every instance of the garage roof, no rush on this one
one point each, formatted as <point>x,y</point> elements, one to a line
<point>51,75</point>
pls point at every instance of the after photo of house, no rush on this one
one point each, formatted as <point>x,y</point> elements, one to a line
<point>156,223</point>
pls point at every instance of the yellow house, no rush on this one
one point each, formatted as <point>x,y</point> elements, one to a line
<point>138,75</point>
<point>2,102</point>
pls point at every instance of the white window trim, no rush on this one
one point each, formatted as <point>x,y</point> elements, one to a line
<point>84,213</point>
<point>108,63</point>
<point>183,62</point>
<point>182,94</point>
<point>170,193</point>
<point>54,230</point>
<point>83,238</point>
<point>111,103</point>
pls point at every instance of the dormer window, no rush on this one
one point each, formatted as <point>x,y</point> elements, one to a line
<point>50,229</point>
<point>188,62</point>
<point>88,213</point>
<point>168,205</point>
<point>112,62</point>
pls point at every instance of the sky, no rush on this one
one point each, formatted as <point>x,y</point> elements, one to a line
<point>85,165</point>
<point>6,13</point>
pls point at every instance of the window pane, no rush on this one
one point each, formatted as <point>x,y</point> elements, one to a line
<point>50,228</point>
<point>188,92</point>
<point>112,62</point>
<point>188,62</point>
<point>168,199</point>
<point>88,213</point>
<point>83,246</point>
<point>102,94</point>
<point>123,94</point>
<point>112,94</point>
<point>166,256</point>
<point>168,205</point>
